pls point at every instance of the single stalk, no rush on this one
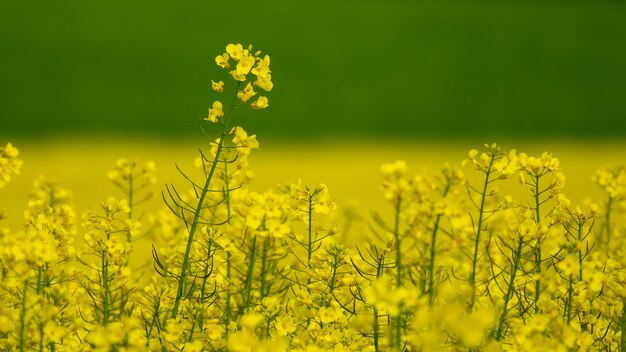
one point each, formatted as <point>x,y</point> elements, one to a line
<point>263,266</point>
<point>130,202</point>
<point>203,288</point>
<point>622,342</point>
<point>154,322</point>
<point>248,287</point>
<point>568,305</point>
<point>580,253</point>
<point>537,248</point>
<point>196,216</point>
<point>376,329</point>
<point>379,267</point>
<point>39,281</point>
<point>105,286</point>
<point>583,326</point>
<point>228,214</point>
<point>607,221</point>
<point>472,278</point>
<point>333,278</point>
<point>228,295</point>
<point>396,236</point>
<point>509,291</point>
<point>23,318</point>
<point>310,244</point>
<point>433,248</point>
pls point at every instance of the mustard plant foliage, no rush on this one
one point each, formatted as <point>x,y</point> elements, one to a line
<point>458,266</point>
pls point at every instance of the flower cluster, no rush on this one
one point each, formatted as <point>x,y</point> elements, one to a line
<point>245,62</point>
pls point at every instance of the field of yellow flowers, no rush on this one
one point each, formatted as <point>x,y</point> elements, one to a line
<point>488,255</point>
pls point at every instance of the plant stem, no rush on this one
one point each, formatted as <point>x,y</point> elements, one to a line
<point>105,286</point>
<point>607,221</point>
<point>23,318</point>
<point>248,287</point>
<point>537,248</point>
<point>130,201</point>
<point>433,248</point>
<point>396,236</point>
<point>309,244</point>
<point>623,327</point>
<point>263,266</point>
<point>228,214</point>
<point>568,305</point>
<point>509,292</point>
<point>472,278</point>
<point>198,210</point>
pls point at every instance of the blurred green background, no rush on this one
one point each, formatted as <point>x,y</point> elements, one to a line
<point>389,69</point>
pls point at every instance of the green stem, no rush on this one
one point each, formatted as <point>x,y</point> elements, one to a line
<point>622,341</point>
<point>263,266</point>
<point>228,298</point>
<point>41,335</point>
<point>472,278</point>
<point>333,277</point>
<point>105,286</point>
<point>537,248</point>
<point>248,287</point>
<point>39,281</point>
<point>203,289</point>
<point>433,249</point>
<point>309,244</point>
<point>154,320</point>
<point>228,275</point>
<point>399,328</point>
<point>607,221</point>
<point>509,292</point>
<point>198,210</point>
<point>130,202</point>
<point>23,318</point>
<point>568,305</point>
<point>376,329</point>
<point>580,253</point>
<point>379,267</point>
<point>396,236</point>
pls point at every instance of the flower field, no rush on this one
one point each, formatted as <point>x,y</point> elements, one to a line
<point>494,252</point>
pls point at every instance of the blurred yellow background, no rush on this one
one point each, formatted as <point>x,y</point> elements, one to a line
<point>349,168</point>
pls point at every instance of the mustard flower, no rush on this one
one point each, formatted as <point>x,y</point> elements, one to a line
<point>217,86</point>
<point>247,93</point>
<point>215,112</point>
<point>222,60</point>
<point>260,103</point>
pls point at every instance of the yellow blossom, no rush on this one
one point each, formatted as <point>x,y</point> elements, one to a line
<point>217,86</point>
<point>260,103</point>
<point>215,112</point>
<point>247,93</point>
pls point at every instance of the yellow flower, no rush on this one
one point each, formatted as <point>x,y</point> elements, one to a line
<point>245,65</point>
<point>222,60</point>
<point>285,325</point>
<point>262,69</point>
<point>195,346</point>
<point>246,93</point>
<point>235,51</point>
<point>237,76</point>
<point>260,103</point>
<point>264,83</point>
<point>215,112</point>
<point>217,86</point>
